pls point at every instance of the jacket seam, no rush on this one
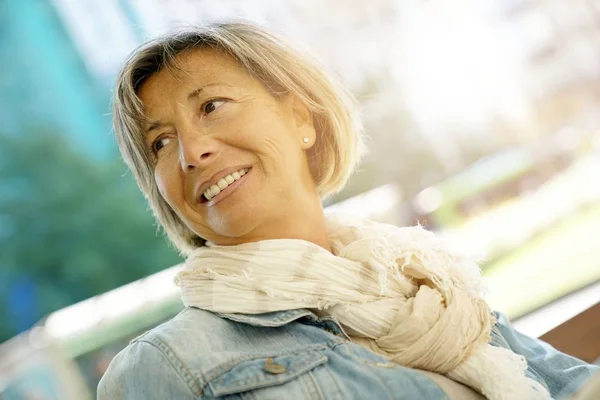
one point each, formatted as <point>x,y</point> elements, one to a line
<point>141,337</point>
<point>193,385</point>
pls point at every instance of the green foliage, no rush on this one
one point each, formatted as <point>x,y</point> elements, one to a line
<point>73,225</point>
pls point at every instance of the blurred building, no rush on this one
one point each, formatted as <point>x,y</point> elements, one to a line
<point>484,72</point>
<point>558,42</point>
<point>45,84</point>
<point>352,37</point>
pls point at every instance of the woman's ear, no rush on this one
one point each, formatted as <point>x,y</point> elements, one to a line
<point>303,121</point>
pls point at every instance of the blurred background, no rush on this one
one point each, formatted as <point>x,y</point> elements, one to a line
<point>483,119</point>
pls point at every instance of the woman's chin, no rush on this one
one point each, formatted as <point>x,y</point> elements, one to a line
<point>232,228</point>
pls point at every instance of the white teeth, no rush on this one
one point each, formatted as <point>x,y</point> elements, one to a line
<point>223,183</point>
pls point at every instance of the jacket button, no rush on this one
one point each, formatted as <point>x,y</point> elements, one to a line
<point>273,368</point>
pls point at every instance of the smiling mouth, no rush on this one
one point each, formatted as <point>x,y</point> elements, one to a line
<point>223,187</point>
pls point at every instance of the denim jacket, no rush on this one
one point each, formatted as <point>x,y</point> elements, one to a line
<point>296,355</point>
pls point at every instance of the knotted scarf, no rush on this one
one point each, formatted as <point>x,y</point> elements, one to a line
<point>400,292</point>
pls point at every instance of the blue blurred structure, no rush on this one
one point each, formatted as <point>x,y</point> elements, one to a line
<point>22,303</point>
<point>44,82</point>
<point>52,82</point>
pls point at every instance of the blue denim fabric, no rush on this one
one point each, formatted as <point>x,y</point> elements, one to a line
<point>290,355</point>
<point>560,373</point>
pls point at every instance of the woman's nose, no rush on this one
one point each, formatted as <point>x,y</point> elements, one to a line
<point>196,152</point>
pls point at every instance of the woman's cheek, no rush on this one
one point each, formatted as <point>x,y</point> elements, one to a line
<point>167,180</point>
<point>161,185</point>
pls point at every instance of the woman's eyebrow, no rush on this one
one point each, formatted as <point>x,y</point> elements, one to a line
<point>191,95</point>
<point>199,90</point>
<point>154,125</point>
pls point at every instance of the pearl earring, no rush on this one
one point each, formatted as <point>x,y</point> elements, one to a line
<point>305,140</point>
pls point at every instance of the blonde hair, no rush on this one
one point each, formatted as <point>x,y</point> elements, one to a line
<point>279,67</point>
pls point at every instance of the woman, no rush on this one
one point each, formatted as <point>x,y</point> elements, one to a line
<point>235,138</point>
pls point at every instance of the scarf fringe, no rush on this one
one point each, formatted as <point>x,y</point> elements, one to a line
<point>493,369</point>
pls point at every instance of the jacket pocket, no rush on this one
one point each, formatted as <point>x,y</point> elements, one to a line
<point>265,372</point>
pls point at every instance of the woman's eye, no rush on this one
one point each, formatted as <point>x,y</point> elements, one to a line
<point>212,105</point>
<point>158,144</point>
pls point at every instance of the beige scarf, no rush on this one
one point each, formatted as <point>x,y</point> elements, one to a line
<point>398,291</point>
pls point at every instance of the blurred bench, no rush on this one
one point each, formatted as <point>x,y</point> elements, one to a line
<point>571,324</point>
<point>579,336</point>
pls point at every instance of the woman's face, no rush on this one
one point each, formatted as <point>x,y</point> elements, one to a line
<point>229,157</point>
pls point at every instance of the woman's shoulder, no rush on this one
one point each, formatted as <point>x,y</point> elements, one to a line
<point>162,359</point>
<point>191,322</point>
<point>192,332</point>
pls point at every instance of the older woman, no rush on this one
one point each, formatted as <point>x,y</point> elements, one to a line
<point>235,139</point>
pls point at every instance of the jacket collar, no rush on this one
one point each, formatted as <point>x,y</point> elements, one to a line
<point>272,319</point>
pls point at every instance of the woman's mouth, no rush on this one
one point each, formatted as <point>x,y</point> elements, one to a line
<point>223,187</point>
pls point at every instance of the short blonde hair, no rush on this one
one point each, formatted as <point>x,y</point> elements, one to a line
<point>279,67</point>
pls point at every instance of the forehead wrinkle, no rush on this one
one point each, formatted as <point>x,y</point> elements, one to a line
<point>205,65</point>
